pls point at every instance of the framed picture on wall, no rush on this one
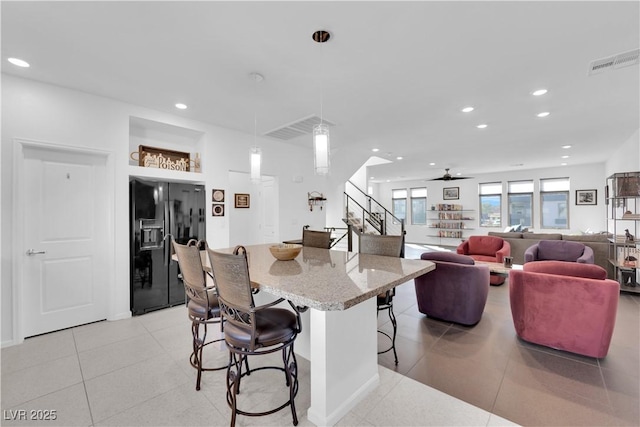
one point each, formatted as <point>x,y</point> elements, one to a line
<point>451,193</point>
<point>217,209</point>
<point>242,200</point>
<point>586,197</point>
<point>217,195</point>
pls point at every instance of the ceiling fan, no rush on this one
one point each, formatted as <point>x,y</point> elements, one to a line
<point>447,177</point>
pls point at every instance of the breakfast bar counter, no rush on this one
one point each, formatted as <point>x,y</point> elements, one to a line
<point>340,329</point>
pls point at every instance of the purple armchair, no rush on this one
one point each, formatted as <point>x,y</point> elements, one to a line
<point>486,248</point>
<point>559,250</point>
<point>564,305</point>
<point>456,291</point>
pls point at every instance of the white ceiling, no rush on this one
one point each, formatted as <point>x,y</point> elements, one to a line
<point>393,76</point>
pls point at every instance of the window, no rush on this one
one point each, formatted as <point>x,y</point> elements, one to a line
<point>520,203</point>
<point>490,204</point>
<point>554,203</point>
<point>419,206</point>
<point>399,204</point>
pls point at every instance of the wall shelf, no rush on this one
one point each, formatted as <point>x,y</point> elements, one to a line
<point>622,194</point>
<point>450,221</point>
<point>164,136</point>
<point>155,174</point>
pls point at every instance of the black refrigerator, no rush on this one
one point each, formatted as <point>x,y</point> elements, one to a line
<point>161,211</point>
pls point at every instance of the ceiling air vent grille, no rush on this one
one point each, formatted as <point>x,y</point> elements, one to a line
<point>299,127</point>
<point>621,60</point>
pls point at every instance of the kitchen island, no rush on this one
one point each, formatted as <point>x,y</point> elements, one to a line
<point>340,328</point>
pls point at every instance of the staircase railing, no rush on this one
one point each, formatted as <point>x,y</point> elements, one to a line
<point>373,213</point>
<point>355,214</point>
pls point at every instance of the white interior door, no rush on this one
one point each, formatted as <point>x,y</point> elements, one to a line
<point>65,202</point>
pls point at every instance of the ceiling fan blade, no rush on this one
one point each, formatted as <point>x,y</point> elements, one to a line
<point>448,177</point>
<point>453,178</point>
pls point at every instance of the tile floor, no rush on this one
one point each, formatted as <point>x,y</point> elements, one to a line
<point>489,367</point>
<point>136,372</point>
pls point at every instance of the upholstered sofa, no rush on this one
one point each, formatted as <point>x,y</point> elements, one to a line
<point>599,243</point>
<point>559,250</point>
<point>456,291</point>
<point>564,305</point>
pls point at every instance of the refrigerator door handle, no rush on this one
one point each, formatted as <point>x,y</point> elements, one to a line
<point>167,234</point>
<point>168,248</point>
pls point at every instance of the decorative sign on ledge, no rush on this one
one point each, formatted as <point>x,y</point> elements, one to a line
<point>151,157</point>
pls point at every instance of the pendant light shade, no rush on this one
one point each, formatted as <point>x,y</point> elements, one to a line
<point>321,149</point>
<point>255,153</point>
<point>256,161</point>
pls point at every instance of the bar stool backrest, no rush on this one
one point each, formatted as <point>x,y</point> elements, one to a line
<point>193,275</point>
<point>316,239</point>
<point>374,244</point>
<point>231,274</point>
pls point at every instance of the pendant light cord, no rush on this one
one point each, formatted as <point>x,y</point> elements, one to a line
<point>255,108</point>
<point>321,79</point>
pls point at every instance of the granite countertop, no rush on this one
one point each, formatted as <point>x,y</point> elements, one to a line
<point>328,280</point>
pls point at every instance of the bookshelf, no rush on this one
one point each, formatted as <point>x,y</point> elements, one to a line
<point>622,201</point>
<point>448,222</point>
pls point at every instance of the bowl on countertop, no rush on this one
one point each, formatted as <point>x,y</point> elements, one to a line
<point>285,251</point>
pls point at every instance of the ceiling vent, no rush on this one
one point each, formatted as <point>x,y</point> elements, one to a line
<point>624,59</point>
<point>300,127</point>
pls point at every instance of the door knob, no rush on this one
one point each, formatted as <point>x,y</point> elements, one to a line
<point>32,252</point>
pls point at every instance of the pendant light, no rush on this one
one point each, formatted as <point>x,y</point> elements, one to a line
<point>321,139</point>
<point>255,153</point>
<point>256,160</point>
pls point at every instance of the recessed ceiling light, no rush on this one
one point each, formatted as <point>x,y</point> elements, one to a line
<point>565,157</point>
<point>482,126</point>
<point>539,92</point>
<point>19,62</point>
<point>566,146</point>
<point>375,150</point>
<point>181,106</point>
<point>543,114</point>
<point>432,164</point>
<point>372,177</point>
<point>459,173</point>
<point>467,109</point>
<point>388,180</point>
<point>399,158</point>
<point>563,164</point>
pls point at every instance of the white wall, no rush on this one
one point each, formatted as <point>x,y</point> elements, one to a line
<point>243,229</point>
<point>582,217</point>
<point>626,158</point>
<point>41,112</point>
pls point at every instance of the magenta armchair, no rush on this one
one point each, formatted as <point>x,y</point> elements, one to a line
<point>486,248</point>
<point>456,291</point>
<point>559,250</point>
<point>564,305</point>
